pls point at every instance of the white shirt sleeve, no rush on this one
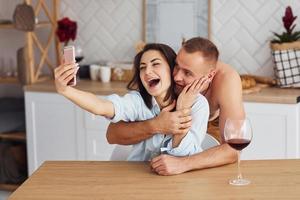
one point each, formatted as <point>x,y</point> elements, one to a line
<point>127,107</point>
<point>191,143</point>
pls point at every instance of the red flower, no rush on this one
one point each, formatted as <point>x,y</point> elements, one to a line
<point>66,30</point>
<point>288,20</point>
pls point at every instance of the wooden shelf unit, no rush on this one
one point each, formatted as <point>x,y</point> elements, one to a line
<point>12,136</point>
<point>9,80</point>
<point>34,64</point>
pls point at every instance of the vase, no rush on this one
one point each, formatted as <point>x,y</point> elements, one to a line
<point>286,57</point>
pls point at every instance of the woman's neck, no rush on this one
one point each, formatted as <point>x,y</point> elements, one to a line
<point>161,102</point>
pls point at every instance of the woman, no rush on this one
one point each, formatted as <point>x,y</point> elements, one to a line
<point>152,89</point>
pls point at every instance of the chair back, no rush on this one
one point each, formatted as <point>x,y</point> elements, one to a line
<point>209,142</point>
<point>120,152</point>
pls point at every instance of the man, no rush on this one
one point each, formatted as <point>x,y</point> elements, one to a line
<point>224,94</point>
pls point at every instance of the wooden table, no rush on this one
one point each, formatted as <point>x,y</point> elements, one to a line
<point>271,179</point>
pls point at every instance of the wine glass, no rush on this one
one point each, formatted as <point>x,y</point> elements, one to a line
<point>238,134</point>
<point>78,53</point>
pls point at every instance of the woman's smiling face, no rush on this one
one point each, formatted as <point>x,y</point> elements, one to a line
<point>155,73</point>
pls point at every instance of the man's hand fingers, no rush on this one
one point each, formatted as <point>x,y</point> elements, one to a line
<point>155,159</point>
<point>185,119</point>
<point>159,168</point>
<point>156,164</point>
<point>186,125</point>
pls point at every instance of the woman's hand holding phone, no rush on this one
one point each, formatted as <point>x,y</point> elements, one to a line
<point>63,75</point>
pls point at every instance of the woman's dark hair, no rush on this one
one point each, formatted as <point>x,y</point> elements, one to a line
<point>136,83</point>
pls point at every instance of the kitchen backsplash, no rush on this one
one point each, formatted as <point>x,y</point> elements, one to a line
<point>242,31</point>
<point>108,29</point>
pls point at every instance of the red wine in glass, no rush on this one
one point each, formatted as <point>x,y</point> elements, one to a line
<point>238,144</point>
<point>238,134</point>
<point>79,58</point>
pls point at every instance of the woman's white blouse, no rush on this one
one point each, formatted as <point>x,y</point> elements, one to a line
<point>131,107</point>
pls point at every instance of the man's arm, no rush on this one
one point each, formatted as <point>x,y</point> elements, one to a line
<point>213,157</point>
<point>230,99</point>
<point>167,122</point>
<point>127,133</point>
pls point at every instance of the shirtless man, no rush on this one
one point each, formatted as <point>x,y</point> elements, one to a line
<point>224,94</point>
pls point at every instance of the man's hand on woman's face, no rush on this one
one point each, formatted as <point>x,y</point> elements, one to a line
<point>177,122</point>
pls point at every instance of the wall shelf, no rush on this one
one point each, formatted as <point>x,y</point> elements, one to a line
<point>9,80</point>
<point>9,187</point>
<point>38,25</point>
<point>15,136</point>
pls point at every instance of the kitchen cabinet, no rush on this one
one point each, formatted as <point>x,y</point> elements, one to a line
<point>97,147</point>
<point>276,131</point>
<point>59,130</point>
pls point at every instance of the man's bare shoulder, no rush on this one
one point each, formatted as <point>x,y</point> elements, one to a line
<point>226,76</point>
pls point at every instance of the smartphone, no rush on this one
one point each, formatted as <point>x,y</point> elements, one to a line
<point>69,57</point>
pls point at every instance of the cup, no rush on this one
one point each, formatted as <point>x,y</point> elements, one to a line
<point>105,74</point>
<point>94,72</point>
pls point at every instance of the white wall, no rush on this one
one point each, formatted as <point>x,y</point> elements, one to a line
<point>242,30</point>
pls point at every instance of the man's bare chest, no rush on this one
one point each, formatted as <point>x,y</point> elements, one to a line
<point>213,105</point>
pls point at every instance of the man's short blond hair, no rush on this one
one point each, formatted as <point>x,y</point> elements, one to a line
<point>202,45</point>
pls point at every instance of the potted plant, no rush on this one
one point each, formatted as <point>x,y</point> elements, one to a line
<point>286,52</point>
<point>66,30</point>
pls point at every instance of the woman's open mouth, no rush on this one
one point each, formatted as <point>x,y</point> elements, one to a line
<point>152,83</point>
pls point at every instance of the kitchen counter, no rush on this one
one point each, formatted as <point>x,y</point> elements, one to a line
<point>274,95</point>
<point>95,87</point>
<point>267,95</point>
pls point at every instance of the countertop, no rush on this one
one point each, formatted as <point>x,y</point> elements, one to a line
<point>76,180</point>
<point>266,95</point>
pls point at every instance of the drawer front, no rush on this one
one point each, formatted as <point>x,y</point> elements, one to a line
<point>95,122</point>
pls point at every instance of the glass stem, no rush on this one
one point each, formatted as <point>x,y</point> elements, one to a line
<point>238,164</point>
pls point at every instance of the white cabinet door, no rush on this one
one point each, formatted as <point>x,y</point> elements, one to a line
<point>52,133</point>
<point>57,129</point>
<point>97,147</point>
<point>275,131</point>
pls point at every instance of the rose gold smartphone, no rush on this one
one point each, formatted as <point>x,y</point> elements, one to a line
<point>69,57</point>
